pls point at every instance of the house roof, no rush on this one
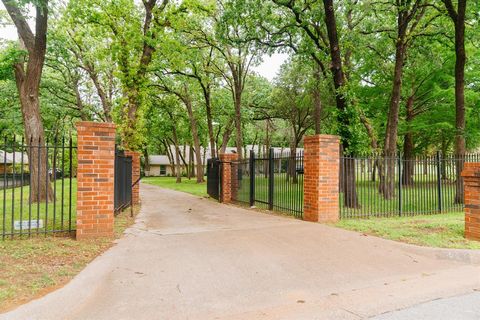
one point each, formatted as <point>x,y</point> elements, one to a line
<point>8,157</point>
<point>206,154</point>
<point>159,160</point>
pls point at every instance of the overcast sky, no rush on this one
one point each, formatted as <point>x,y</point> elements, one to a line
<point>268,68</point>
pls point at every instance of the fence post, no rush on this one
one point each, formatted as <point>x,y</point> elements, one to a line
<point>135,175</point>
<point>271,176</point>
<point>95,178</point>
<point>471,181</point>
<point>321,178</point>
<point>399,184</point>
<point>252,178</point>
<point>439,182</point>
<point>226,176</point>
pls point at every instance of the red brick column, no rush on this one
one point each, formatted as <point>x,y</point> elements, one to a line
<point>321,175</point>
<point>471,181</point>
<point>95,176</point>
<point>226,176</point>
<point>135,175</point>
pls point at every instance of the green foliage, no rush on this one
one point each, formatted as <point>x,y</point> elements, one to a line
<point>9,55</point>
<point>204,50</point>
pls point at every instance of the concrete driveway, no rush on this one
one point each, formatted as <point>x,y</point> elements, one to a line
<point>192,258</point>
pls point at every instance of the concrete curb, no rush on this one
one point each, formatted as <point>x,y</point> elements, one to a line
<point>459,255</point>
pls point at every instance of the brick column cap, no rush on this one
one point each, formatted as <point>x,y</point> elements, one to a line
<point>90,124</point>
<point>228,156</point>
<point>471,169</point>
<point>321,137</point>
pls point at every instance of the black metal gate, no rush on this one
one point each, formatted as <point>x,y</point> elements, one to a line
<point>213,178</point>
<point>123,181</point>
<point>273,181</point>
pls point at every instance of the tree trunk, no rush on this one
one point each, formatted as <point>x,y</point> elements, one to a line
<point>79,102</point>
<point>226,136</point>
<point>196,138</point>
<point>168,152</point>
<point>238,118</point>
<point>135,84</point>
<point>146,166</point>
<point>177,156</point>
<point>28,83</point>
<point>185,164</point>
<point>317,102</point>
<point>293,162</point>
<point>105,101</point>
<point>267,149</point>
<point>408,146</point>
<point>390,146</point>
<point>350,193</point>
<point>460,58</point>
<point>349,182</point>
<point>40,185</point>
<point>208,108</point>
<point>191,171</point>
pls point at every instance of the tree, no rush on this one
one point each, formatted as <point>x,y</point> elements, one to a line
<point>135,36</point>
<point>409,14</point>
<point>293,103</point>
<point>458,18</point>
<point>28,72</point>
<point>181,88</point>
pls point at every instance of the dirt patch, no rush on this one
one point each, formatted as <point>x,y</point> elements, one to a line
<point>31,268</point>
<point>432,230</point>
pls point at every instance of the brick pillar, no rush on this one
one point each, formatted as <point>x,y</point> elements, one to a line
<point>226,176</point>
<point>321,175</point>
<point>95,176</point>
<point>471,181</point>
<point>135,175</point>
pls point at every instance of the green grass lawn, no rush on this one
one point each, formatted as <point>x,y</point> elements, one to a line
<point>55,215</point>
<point>438,230</point>
<point>287,196</point>
<point>421,198</point>
<point>188,186</point>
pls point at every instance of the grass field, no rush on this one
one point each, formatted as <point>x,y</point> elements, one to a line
<point>55,215</point>
<point>188,186</point>
<point>287,196</point>
<point>30,268</point>
<point>421,198</point>
<point>439,230</point>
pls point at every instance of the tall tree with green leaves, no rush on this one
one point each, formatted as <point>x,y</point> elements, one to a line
<point>28,74</point>
<point>457,15</point>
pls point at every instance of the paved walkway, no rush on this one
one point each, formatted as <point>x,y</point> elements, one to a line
<point>192,258</point>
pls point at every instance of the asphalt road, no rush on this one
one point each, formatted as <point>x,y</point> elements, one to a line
<point>192,258</point>
<point>463,307</point>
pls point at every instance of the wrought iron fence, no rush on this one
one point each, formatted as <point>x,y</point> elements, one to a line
<point>272,181</point>
<point>376,186</point>
<point>213,178</point>
<point>122,181</point>
<point>38,187</point>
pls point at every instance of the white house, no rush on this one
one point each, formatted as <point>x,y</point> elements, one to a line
<point>160,165</point>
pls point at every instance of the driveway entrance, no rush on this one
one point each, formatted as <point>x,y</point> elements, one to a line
<point>193,258</point>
